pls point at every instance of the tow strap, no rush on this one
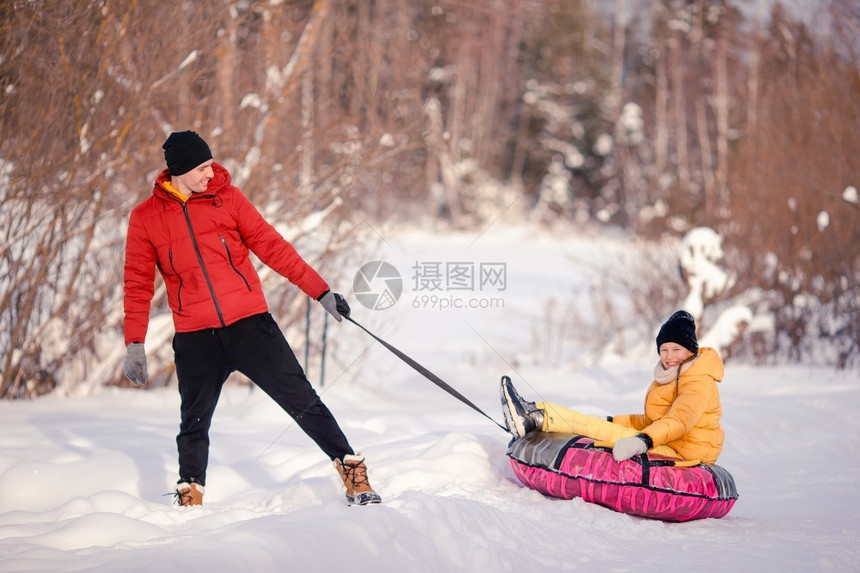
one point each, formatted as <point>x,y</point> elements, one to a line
<point>426,373</point>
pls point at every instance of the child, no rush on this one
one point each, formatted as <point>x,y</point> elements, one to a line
<point>682,405</point>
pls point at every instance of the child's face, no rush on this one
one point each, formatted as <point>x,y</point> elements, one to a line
<point>672,354</point>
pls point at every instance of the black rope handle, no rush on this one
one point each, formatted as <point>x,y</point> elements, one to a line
<point>426,373</point>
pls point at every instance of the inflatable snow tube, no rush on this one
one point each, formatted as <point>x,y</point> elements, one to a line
<point>568,466</point>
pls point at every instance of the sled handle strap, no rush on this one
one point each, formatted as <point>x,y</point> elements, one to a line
<point>426,373</point>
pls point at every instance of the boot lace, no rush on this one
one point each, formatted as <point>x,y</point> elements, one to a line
<point>182,498</point>
<point>356,474</point>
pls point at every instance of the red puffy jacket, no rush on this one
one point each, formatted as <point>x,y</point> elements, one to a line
<point>201,248</point>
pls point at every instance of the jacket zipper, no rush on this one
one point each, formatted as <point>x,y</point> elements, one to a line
<point>230,259</point>
<point>203,265</point>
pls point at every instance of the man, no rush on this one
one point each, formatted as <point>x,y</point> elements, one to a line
<point>198,230</point>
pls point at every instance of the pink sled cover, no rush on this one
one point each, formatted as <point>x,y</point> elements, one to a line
<point>568,466</point>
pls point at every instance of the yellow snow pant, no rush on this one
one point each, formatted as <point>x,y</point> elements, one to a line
<point>566,421</point>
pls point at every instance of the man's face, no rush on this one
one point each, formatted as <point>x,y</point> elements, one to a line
<point>196,180</point>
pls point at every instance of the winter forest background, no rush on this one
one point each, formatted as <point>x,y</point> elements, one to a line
<point>342,119</point>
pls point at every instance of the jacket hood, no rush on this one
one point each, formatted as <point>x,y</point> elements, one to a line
<point>709,363</point>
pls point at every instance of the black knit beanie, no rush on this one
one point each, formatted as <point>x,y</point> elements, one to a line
<point>680,329</point>
<point>185,150</point>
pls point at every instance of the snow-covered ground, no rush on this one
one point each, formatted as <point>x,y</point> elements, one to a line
<point>82,479</point>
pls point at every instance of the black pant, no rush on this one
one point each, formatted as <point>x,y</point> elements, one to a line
<point>256,347</point>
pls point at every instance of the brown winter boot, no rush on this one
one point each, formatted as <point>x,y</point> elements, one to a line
<point>353,472</point>
<point>189,494</point>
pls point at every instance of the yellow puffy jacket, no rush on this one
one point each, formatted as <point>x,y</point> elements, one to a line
<point>685,414</point>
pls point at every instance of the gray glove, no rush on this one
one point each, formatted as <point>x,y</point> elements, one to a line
<point>626,448</point>
<point>135,364</point>
<point>335,305</point>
